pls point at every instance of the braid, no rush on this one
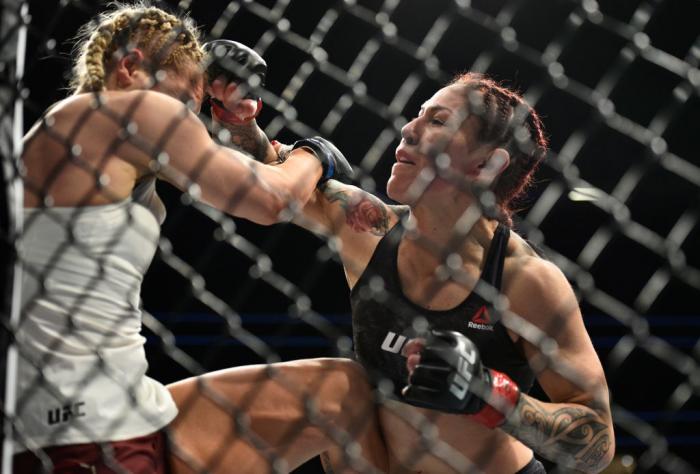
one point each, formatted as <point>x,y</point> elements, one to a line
<point>166,40</point>
<point>507,121</point>
<point>94,59</point>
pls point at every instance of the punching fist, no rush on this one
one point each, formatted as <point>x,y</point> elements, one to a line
<point>333,162</point>
<point>446,374</point>
<point>229,65</point>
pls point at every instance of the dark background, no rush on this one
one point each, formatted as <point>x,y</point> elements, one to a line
<point>638,55</point>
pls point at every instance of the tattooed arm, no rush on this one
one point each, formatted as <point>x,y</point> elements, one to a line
<point>574,435</point>
<point>363,211</point>
<point>575,428</point>
<point>247,137</point>
<point>356,218</point>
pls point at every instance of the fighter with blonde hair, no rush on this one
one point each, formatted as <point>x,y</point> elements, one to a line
<point>92,219</point>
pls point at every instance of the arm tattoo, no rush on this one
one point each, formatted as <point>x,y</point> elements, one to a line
<point>326,463</point>
<point>573,435</point>
<point>363,211</point>
<point>249,138</point>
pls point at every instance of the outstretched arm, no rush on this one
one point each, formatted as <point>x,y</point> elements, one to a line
<point>187,156</point>
<point>357,218</point>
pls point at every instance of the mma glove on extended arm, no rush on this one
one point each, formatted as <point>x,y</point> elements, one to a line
<point>334,164</point>
<point>237,63</point>
<point>451,378</point>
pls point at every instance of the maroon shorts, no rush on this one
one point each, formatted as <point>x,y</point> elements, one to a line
<point>144,455</point>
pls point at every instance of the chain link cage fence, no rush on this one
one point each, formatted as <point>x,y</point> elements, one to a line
<point>615,204</point>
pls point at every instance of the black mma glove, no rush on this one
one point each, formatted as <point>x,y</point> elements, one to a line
<point>451,378</point>
<point>237,63</point>
<point>333,162</point>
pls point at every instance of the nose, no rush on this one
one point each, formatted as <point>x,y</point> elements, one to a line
<point>408,133</point>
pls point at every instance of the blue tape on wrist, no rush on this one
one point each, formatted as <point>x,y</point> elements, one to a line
<point>331,169</point>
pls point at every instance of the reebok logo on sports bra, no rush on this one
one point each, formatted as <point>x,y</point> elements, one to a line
<point>481,320</point>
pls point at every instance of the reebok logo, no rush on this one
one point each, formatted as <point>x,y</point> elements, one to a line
<point>481,320</point>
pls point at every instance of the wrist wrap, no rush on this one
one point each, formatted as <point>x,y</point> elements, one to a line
<point>502,401</point>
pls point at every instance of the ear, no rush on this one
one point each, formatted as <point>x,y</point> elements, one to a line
<point>493,166</point>
<point>128,68</point>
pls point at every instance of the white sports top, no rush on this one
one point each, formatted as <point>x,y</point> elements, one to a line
<point>82,361</point>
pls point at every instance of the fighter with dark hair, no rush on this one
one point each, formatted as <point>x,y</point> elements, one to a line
<point>446,269</point>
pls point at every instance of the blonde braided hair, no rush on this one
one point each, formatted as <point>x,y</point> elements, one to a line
<point>165,39</point>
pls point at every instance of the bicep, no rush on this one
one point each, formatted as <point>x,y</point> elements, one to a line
<point>573,373</point>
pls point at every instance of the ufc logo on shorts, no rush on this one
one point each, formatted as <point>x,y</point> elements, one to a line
<point>462,378</point>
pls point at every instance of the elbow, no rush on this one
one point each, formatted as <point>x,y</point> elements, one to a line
<point>600,452</point>
<point>609,452</point>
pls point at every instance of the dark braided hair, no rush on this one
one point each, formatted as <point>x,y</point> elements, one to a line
<point>506,121</point>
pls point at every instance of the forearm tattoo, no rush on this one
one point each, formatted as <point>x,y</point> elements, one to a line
<point>572,435</point>
<point>249,138</point>
<point>363,211</point>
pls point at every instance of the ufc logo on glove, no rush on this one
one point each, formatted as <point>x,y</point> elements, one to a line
<point>463,377</point>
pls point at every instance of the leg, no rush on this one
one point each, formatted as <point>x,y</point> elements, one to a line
<point>272,418</point>
<point>337,459</point>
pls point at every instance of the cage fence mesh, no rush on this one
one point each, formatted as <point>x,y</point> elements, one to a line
<point>615,204</point>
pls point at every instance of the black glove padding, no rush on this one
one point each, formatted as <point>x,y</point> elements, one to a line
<point>234,61</point>
<point>449,375</point>
<point>335,165</point>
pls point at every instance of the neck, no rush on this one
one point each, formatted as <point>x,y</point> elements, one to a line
<point>437,234</point>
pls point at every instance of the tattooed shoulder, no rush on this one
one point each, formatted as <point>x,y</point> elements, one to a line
<point>364,212</point>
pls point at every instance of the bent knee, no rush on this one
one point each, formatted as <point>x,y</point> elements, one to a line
<point>345,385</point>
<point>348,376</point>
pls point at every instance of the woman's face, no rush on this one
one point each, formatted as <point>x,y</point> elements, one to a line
<point>442,135</point>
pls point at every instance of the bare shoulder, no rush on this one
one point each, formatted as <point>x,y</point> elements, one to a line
<point>113,109</point>
<point>147,106</point>
<point>536,288</point>
<point>64,112</point>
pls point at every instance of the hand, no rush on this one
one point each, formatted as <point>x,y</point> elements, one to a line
<point>334,164</point>
<point>231,71</point>
<point>446,374</point>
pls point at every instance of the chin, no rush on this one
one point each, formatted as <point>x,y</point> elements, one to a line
<point>398,195</point>
<point>393,191</point>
